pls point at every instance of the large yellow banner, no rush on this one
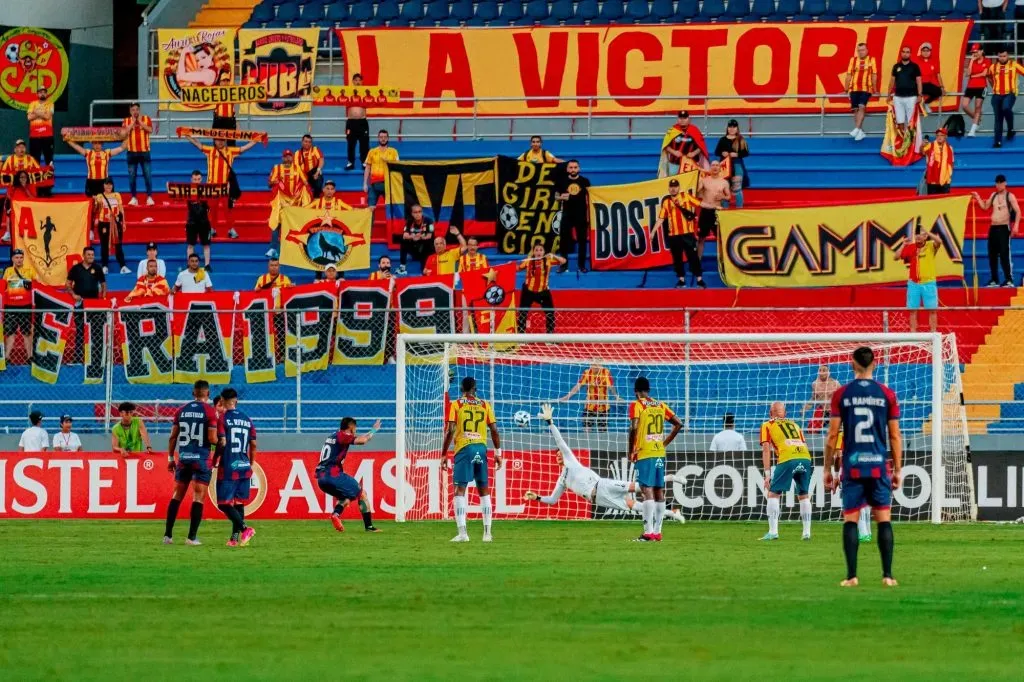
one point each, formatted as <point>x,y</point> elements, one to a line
<point>315,238</point>
<point>728,68</point>
<point>283,60</point>
<point>194,57</point>
<point>52,233</point>
<point>823,246</point>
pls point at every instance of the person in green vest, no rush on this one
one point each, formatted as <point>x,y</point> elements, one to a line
<point>129,434</point>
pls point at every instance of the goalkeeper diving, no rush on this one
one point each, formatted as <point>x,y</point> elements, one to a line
<point>603,492</point>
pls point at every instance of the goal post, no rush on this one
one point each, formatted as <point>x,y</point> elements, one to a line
<point>703,378</point>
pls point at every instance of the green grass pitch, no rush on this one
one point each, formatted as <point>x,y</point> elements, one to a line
<point>547,600</point>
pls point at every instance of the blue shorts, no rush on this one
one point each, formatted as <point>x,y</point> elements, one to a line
<point>193,471</point>
<point>866,492</point>
<point>229,491</point>
<point>342,486</point>
<point>922,296</point>
<point>471,465</point>
<point>650,472</point>
<point>859,99</point>
<point>794,470</point>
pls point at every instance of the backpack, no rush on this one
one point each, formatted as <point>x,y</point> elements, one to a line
<point>955,126</point>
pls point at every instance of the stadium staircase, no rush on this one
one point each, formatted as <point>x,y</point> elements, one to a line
<point>997,374</point>
<point>217,13</point>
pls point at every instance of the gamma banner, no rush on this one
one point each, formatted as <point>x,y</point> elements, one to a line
<point>622,218</point>
<point>457,193</point>
<point>315,238</point>
<point>822,246</point>
<point>52,233</point>
<point>34,58</point>
<point>193,57</point>
<point>281,60</point>
<point>620,69</point>
<point>529,210</point>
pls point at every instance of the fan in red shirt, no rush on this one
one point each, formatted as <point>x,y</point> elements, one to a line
<point>974,93</point>
<point>932,88</point>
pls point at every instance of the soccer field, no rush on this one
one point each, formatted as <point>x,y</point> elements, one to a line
<point>546,600</point>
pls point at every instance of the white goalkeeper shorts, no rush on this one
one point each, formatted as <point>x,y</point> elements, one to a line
<point>611,494</point>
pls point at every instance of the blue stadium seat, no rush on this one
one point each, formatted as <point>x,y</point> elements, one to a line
<point>561,10</point>
<point>263,12</point>
<point>277,23</point>
<point>511,12</point>
<point>941,8</point>
<point>450,22</point>
<point>611,12</point>
<point>587,10</point>
<point>287,13</point>
<point>412,12</point>
<point>387,10</point>
<point>638,11</point>
<point>486,12</point>
<point>712,9</point>
<point>890,8</point>
<point>965,8</point>
<point>814,8</point>
<point>788,8</point>
<point>687,10</point>
<point>537,10</point>
<point>462,9</point>
<point>838,9</point>
<point>437,11</point>
<point>662,10</point>
<point>737,9</point>
<point>337,13</point>
<point>864,8</point>
<point>360,13</point>
<point>915,8</point>
<point>761,10</point>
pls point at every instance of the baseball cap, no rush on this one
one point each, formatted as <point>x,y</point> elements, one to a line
<point>17,252</point>
<point>19,141</point>
<point>941,131</point>
<point>66,418</point>
<point>151,245</point>
<point>331,266</point>
<point>287,152</point>
<point>976,47</point>
<point>926,46</point>
<point>330,182</point>
<point>1000,178</point>
<point>673,183</point>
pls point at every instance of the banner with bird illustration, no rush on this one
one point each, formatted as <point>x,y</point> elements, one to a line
<point>52,233</point>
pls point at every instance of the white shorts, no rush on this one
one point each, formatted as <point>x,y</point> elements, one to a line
<point>903,108</point>
<point>612,494</point>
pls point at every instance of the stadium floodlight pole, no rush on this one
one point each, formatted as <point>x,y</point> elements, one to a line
<point>938,477</point>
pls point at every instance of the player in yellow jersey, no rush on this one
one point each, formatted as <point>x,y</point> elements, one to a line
<point>786,439</point>
<point>469,419</point>
<point>647,442</point>
<point>864,522</point>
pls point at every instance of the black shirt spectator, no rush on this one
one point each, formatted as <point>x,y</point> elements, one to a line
<point>87,281</point>
<point>905,78</point>
<point>572,188</point>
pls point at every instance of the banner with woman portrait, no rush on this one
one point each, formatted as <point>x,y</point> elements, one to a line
<point>191,57</point>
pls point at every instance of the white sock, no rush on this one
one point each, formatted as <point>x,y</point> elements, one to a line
<point>974,127</point>
<point>460,513</point>
<point>805,515</point>
<point>773,515</point>
<point>485,505</point>
<point>864,522</point>
<point>648,516</point>
<point>659,515</point>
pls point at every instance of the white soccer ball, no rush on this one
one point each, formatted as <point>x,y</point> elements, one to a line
<point>12,53</point>
<point>508,216</point>
<point>521,419</point>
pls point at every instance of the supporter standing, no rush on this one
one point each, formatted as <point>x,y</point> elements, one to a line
<point>472,259</point>
<point>86,281</point>
<point>328,201</point>
<point>417,238</point>
<point>536,287</point>
<point>288,183</point>
<point>904,89</point>
<point>932,87</point>
<point>219,161</point>
<point>1002,74</point>
<point>109,212</point>
<point>18,304</point>
<point>1005,210</point>
<point>974,92</point>
<point>357,130</point>
<point>375,167</point>
<point>993,31</point>
<point>728,439</point>
<point>34,438</point>
<point>198,229</point>
<point>310,161</point>
<point>922,290</point>
<point>66,440</point>
<point>678,212</point>
<point>713,190</point>
<point>682,141</point>
<point>138,127</point>
<point>97,164</point>
<point>537,154</point>
<point>129,433</point>
<point>150,284</point>
<point>151,254</point>
<point>861,83</point>
<point>273,279</point>
<point>21,189</point>
<point>40,128</point>
<point>938,158</point>
<point>732,149</point>
<point>573,191</point>
<point>193,280</point>
<point>19,160</point>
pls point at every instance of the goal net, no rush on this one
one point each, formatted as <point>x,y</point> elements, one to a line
<point>702,377</point>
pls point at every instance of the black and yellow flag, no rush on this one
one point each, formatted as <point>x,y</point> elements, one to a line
<point>52,233</point>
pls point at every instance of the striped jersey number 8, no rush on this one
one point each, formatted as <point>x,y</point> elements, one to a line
<point>473,421</point>
<point>190,433</point>
<point>656,424</point>
<point>865,421</point>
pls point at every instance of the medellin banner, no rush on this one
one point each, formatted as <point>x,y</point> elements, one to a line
<point>34,58</point>
<point>284,61</point>
<point>529,210</point>
<point>193,57</point>
<point>457,193</point>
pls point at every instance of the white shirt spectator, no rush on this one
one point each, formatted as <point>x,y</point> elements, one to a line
<point>728,440</point>
<point>187,281</point>
<point>66,442</point>
<point>34,439</point>
<point>161,268</point>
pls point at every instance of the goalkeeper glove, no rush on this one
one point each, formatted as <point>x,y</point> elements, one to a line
<point>530,496</point>
<point>547,413</point>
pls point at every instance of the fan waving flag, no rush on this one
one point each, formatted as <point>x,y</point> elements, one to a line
<point>491,294</point>
<point>902,147</point>
<point>314,238</point>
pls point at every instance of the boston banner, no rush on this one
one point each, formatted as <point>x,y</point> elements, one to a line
<point>52,233</point>
<point>627,68</point>
<point>315,238</point>
<point>457,193</point>
<point>34,58</point>
<point>190,57</point>
<point>836,245</point>
<point>621,222</point>
<point>282,60</point>
<point>529,210</point>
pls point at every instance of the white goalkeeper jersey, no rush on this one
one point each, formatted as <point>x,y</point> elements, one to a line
<point>575,476</point>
